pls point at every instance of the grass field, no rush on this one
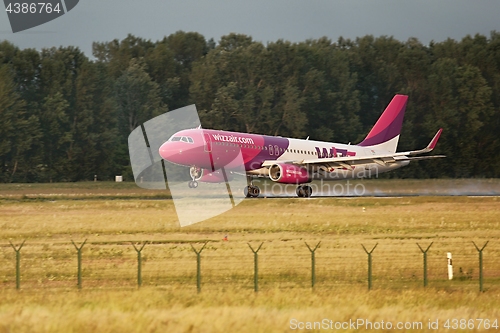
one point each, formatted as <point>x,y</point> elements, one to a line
<point>112,216</point>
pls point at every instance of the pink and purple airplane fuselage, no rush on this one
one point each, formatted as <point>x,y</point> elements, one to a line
<point>209,153</point>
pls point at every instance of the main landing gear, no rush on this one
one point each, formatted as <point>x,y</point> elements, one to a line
<point>304,191</point>
<point>251,191</point>
<point>193,184</point>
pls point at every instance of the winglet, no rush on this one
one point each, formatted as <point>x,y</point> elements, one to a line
<point>434,140</point>
<point>430,146</point>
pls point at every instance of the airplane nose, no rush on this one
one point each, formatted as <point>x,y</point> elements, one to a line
<point>168,150</point>
<point>181,153</point>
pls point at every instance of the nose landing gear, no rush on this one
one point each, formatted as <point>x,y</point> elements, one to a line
<point>195,173</point>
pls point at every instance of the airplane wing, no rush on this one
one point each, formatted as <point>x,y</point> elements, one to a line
<point>349,162</point>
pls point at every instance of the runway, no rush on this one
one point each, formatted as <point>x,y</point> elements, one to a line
<point>386,189</point>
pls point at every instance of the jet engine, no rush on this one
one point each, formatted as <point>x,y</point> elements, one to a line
<point>289,174</point>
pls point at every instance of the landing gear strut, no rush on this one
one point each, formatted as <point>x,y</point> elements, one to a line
<point>304,191</point>
<point>195,174</point>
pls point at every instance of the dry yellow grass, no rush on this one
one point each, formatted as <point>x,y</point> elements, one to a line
<point>170,309</point>
<point>168,302</point>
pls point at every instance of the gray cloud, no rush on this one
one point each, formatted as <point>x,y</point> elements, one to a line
<point>269,20</point>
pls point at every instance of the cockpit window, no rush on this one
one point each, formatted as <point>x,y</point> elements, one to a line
<point>186,139</point>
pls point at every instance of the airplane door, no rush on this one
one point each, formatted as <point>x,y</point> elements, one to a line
<point>208,143</point>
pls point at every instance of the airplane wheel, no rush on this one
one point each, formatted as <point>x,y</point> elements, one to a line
<point>251,191</point>
<point>300,191</point>
<point>307,191</point>
<point>255,191</point>
<point>195,184</point>
<point>190,184</point>
<point>304,191</point>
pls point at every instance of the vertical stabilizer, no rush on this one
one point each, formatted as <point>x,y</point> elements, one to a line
<point>385,134</point>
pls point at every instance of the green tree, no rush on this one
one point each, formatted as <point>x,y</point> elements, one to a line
<point>237,87</point>
<point>334,106</point>
<point>18,132</point>
<point>118,54</point>
<point>461,104</point>
<point>374,61</point>
<point>56,137</point>
<point>137,97</point>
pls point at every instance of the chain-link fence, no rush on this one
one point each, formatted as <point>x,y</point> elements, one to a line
<point>384,263</point>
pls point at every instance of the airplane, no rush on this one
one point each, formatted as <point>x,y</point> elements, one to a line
<point>212,154</point>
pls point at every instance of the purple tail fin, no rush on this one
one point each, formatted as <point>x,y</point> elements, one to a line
<point>385,134</point>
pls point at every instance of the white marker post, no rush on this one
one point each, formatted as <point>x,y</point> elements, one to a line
<point>450,266</point>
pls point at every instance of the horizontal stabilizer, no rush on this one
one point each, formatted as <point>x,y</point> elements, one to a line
<point>418,158</point>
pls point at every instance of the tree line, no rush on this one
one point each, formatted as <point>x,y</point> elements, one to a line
<point>66,117</point>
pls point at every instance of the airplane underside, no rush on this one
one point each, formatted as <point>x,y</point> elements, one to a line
<point>303,190</point>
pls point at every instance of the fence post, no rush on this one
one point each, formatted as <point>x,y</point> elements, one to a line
<point>198,265</point>
<point>79,251</point>
<point>139,263</point>
<point>480,264</point>
<point>425,261</point>
<point>255,266</point>
<point>450,265</point>
<point>18,263</point>
<point>313,263</point>
<point>369,265</point>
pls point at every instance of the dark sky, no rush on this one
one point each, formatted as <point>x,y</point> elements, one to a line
<point>264,20</point>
